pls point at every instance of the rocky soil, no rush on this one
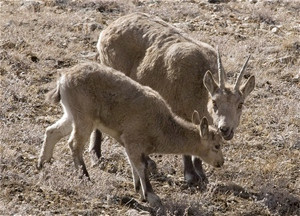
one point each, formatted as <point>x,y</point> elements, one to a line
<point>261,175</point>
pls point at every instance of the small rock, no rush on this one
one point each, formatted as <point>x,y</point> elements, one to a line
<point>8,45</point>
<point>296,145</point>
<point>296,79</point>
<point>20,159</point>
<point>94,26</point>
<point>89,55</point>
<point>2,73</point>
<point>31,5</point>
<point>259,147</point>
<point>171,171</point>
<point>253,1</point>
<point>34,59</point>
<point>8,24</point>
<point>246,18</point>
<point>275,29</point>
<point>132,212</point>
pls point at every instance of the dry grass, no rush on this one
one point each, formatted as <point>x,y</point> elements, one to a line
<point>261,175</point>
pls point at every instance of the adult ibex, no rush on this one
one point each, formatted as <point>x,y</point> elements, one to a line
<point>96,96</point>
<point>158,55</point>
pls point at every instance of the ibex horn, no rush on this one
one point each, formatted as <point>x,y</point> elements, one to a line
<point>220,70</point>
<point>240,77</point>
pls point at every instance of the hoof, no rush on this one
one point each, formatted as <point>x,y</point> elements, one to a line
<point>42,161</point>
<point>193,179</point>
<point>95,162</point>
<point>160,211</point>
<point>154,200</point>
<point>201,176</point>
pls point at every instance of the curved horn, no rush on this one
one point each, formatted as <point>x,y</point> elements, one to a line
<point>220,70</point>
<point>240,77</point>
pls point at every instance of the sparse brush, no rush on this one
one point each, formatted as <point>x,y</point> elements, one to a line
<point>264,15</point>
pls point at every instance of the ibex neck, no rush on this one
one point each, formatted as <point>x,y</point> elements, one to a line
<point>182,137</point>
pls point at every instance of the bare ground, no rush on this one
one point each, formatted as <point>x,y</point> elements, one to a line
<point>261,175</point>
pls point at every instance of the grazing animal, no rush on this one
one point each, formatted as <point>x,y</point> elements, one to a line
<point>96,96</point>
<point>158,55</point>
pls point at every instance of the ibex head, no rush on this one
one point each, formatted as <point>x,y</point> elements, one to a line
<point>226,101</point>
<point>211,142</point>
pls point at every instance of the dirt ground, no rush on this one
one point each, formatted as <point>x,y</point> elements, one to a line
<point>261,175</point>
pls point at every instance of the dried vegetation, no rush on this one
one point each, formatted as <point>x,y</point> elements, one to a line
<point>261,175</point>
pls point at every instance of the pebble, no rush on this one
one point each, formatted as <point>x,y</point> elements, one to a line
<point>296,145</point>
<point>275,30</point>
<point>296,79</point>
<point>31,5</point>
<point>253,1</point>
<point>132,212</point>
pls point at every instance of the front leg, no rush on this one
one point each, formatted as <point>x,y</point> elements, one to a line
<point>137,183</point>
<point>151,167</point>
<point>192,171</point>
<point>199,169</point>
<point>138,164</point>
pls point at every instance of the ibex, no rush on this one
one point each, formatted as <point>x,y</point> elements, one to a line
<point>158,55</point>
<point>96,96</point>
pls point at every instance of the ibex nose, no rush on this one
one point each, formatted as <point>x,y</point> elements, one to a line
<point>224,129</point>
<point>226,132</point>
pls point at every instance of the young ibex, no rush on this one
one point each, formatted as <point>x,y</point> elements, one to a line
<point>96,96</point>
<point>158,55</point>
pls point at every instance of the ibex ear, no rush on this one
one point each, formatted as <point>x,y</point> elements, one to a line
<point>204,128</point>
<point>248,86</point>
<point>210,83</point>
<point>196,118</point>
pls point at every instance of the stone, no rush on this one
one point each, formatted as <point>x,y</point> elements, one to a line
<point>253,1</point>
<point>31,5</point>
<point>275,29</point>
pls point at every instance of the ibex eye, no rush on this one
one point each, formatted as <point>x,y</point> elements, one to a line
<point>215,105</point>
<point>217,147</point>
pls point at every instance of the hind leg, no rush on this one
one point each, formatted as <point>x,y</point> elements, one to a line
<point>53,134</point>
<point>77,140</point>
<point>95,146</point>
